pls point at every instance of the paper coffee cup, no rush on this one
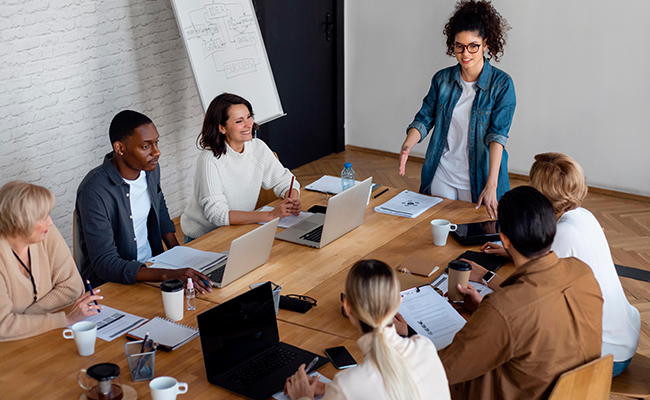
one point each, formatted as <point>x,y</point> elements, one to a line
<point>459,272</point>
<point>440,229</point>
<point>173,295</point>
<point>84,334</point>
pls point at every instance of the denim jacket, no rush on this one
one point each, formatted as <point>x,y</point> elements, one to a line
<point>108,246</point>
<point>492,112</point>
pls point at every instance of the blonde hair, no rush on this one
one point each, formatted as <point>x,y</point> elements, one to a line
<point>21,206</point>
<point>372,291</point>
<point>561,179</point>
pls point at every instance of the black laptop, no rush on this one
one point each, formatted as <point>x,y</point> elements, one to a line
<point>241,346</point>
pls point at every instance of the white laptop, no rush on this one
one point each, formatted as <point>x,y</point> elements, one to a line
<point>345,212</point>
<point>247,253</point>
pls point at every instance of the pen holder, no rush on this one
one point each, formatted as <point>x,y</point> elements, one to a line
<point>276,294</point>
<point>140,364</point>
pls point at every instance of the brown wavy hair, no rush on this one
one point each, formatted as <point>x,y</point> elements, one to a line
<point>483,19</point>
<point>210,138</point>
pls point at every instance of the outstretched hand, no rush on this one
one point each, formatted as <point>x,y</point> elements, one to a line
<point>403,157</point>
<point>489,198</point>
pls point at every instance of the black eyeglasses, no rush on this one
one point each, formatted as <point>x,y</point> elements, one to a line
<point>311,300</point>
<point>472,48</point>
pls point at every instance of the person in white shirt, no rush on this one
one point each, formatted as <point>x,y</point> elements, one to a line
<point>561,179</point>
<point>230,171</point>
<point>394,367</point>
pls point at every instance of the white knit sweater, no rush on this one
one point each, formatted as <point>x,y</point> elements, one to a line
<point>232,182</point>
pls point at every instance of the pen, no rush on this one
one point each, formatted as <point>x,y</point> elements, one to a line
<point>311,365</point>
<point>380,193</point>
<point>434,271</point>
<point>90,288</point>
<point>291,186</point>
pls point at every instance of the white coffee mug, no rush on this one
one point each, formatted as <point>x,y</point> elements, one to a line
<point>440,229</point>
<point>84,334</point>
<point>167,388</point>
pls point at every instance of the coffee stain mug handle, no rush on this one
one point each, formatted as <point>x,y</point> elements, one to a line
<point>184,387</point>
<point>453,227</point>
<point>68,331</point>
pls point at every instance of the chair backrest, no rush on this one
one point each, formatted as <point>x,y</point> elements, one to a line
<point>76,242</point>
<point>590,381</point>
<point>635,380</point>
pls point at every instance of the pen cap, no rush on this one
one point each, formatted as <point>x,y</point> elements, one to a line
<point>190,284</point>
<point>459,265</point>
<point>172,285</point>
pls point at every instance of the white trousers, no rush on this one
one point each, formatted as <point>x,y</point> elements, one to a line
<point>441,189</point>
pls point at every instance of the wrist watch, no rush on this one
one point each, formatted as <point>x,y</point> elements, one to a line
<point>488,277</point>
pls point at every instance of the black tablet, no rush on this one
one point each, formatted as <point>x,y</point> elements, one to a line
<point>477,233</point>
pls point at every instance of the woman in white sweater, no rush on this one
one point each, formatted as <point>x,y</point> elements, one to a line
<point>394,368</point>
<point>230,171</point>
<point>561,179</point>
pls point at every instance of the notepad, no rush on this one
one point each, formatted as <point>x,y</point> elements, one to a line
<point>408,204</point>
<point>168,334</point>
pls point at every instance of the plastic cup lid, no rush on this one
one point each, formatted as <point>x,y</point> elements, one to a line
<point>172,285</point>
<point>459,265</point>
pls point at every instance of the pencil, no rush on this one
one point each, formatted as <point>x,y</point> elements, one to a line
<point>291,186</point>
<point>90,288</point>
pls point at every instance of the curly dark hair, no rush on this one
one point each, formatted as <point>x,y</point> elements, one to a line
<point>480,17</point>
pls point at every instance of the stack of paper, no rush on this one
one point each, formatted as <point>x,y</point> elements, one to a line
<point>408,204</point>
<point>327,184</point>
<point>186,257</point>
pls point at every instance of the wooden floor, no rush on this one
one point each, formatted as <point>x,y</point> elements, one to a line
<point>626,221</point>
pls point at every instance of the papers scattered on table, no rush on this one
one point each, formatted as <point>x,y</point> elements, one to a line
<point>430,315</point>
<point>186,257</point>
<point>442,283</point>
<point>327,184</point>
<point>112,323</point>
<point>287,222</point>
<point>408,204</point>
<point>281,396</point>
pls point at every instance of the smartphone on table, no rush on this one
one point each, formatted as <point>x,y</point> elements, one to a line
<point>340,357</point>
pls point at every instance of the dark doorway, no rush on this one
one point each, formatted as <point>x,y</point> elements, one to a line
<point>304,41</point>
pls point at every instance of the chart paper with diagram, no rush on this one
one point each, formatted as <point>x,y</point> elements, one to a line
<point>227,54</point>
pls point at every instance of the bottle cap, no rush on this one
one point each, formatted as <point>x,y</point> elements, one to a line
<point>190,284</point>
<point>347,165</point>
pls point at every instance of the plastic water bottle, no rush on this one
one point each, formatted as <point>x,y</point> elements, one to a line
<point>347,176</point>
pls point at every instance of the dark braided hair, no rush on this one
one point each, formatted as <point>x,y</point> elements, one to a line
<point>483,19</point>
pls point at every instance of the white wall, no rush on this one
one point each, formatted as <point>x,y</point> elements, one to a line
<point>68,67</point>
<point>579,67</point>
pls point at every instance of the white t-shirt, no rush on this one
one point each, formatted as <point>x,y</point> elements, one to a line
<point>140,207</point>
<point>580,235</point>
<point>454,163</point>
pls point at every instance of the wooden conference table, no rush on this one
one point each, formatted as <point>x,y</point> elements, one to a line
<point>46,366</point>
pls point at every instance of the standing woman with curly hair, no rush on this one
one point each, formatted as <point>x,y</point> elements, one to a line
<point>470,108</point>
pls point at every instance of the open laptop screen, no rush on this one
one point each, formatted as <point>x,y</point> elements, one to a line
<point>238,329</point>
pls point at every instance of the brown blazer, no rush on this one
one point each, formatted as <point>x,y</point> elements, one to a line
<point>546,319</point>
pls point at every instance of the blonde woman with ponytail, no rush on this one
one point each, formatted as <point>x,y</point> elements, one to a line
<point>394,368</point>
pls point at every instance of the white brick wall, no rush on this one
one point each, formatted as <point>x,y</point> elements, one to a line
<point>67,67</point>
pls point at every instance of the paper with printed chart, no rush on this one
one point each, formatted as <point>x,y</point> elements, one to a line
<point>431,315</point>
<point>408,204</point>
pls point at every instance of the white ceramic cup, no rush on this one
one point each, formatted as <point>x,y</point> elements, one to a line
<point>173,295</point>
<point>440,229</point>
<point>84,334</point>
<point>167,388</point>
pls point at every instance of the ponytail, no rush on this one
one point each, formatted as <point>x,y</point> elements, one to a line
<point>372,290</point>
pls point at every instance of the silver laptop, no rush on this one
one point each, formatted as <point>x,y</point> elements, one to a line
<point>247,253</point>
<point>345,212</point>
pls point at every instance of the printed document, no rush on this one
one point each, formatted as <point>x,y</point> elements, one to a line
<point>287,222</point>
<point>431,315</point>
<point>408,204</point>
<point>113,323</point>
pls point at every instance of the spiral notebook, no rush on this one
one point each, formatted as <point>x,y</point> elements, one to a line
<point>168,334</point>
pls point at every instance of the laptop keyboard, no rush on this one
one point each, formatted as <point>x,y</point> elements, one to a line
<point>313,235</point>
<point>217,274</point>
<point>261,366</point>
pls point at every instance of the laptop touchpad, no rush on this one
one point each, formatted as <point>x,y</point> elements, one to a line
<point>306,226</point>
